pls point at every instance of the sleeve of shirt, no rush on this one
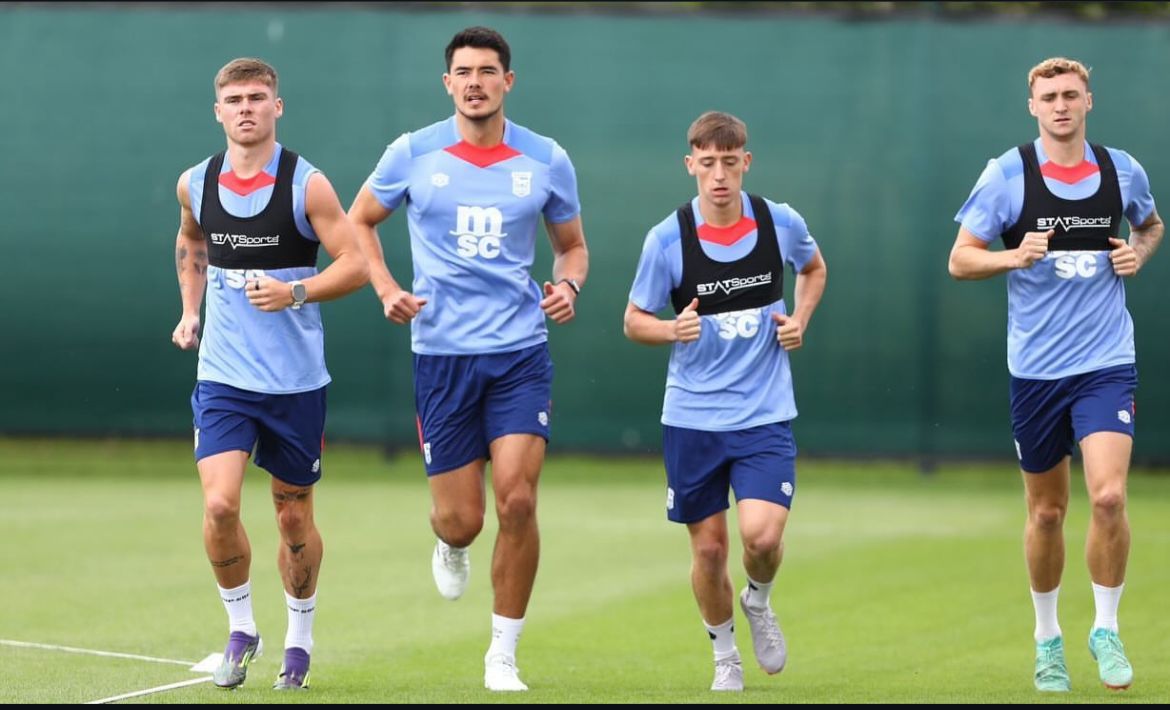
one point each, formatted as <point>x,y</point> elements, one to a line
<point>987,212</point>
<point>563,203</point>
<point>652,282</point>
<point>301,177</point>
<point>796,244</point>
<point>1141,202</point>
<point>195,189</point>
<point>390,180</point>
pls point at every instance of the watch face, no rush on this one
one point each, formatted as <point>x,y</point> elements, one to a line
<point>298,291</point>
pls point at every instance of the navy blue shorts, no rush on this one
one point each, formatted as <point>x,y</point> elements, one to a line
<point>287,431</point>
<point>1049,416</point>
<point>465,402</point>
<point>701,466</point>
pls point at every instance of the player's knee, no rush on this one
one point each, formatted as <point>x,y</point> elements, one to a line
<point>458,528</point>
<point>1047,517</point>
<point>294,519</point>
<point>710,555</point>
<point>221,511</point>
<point>762,544</point>
<point>516,508</point>
<point>462,536</point>
<point>1109,502</point>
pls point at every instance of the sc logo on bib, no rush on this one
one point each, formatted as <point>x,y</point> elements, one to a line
<point>1075,265</point>
<point>231,278</point>
<point>738,324</point>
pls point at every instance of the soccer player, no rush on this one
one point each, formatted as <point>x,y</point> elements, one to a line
<point>1057,203</point>
<point>475,187</point>
<point>250,222</point>
<point>719,261</point>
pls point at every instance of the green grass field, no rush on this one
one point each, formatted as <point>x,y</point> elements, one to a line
<point>895,587</point>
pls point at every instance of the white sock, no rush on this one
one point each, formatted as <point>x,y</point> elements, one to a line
<point>1108,599</point>
<point>723,639</point>
<point>300,622</point>
<point>505,635</point>
<point>758,594</point>
<point>1046,624</point>
<point>238,603</point>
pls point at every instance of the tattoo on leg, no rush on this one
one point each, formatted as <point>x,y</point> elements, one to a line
<point>296,547</point>
<point>291,495</point>
<point>301,586</point>
<point>228,562</point>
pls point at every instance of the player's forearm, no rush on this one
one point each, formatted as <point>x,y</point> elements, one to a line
<point>348,272</point>
<point>810,286</point>
<point>191,268</point>
<point>573,263</point>
<point>1145,240</point>
<point>647,328</point>
<point>970,263</point>
<point>370,247</point>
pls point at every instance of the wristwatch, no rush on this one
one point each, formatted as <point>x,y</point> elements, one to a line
<point>572,284</point>
<point>299,294</point>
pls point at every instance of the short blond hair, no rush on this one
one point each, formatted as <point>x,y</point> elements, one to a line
<point>1055,66</point>
<point>246,69</point>
<point>718,130</point>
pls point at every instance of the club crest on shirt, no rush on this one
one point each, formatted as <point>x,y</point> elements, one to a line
<point>521,184</point>
<point>440,180</point>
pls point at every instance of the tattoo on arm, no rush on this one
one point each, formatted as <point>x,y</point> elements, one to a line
<point>1145,240</point>
<point>199,259</point>
<point>228,562</point>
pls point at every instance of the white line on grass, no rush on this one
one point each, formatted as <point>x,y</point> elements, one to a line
<point>148,691</point>
<point>202,666</point>
<point>108,654</point>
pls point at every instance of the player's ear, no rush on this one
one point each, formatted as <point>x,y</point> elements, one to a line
<point>447,84</point>
<point>747,160</point>
<point>689,162</point>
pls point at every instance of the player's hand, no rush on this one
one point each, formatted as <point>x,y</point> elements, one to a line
<point>1124,258</point>
<point>789,331</point>
<point>688,326</point>
<point>558,302</point>
<point>401,306</point>
<point>268,294</point>
<point>1032,248</point>
<point>186,334</point>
